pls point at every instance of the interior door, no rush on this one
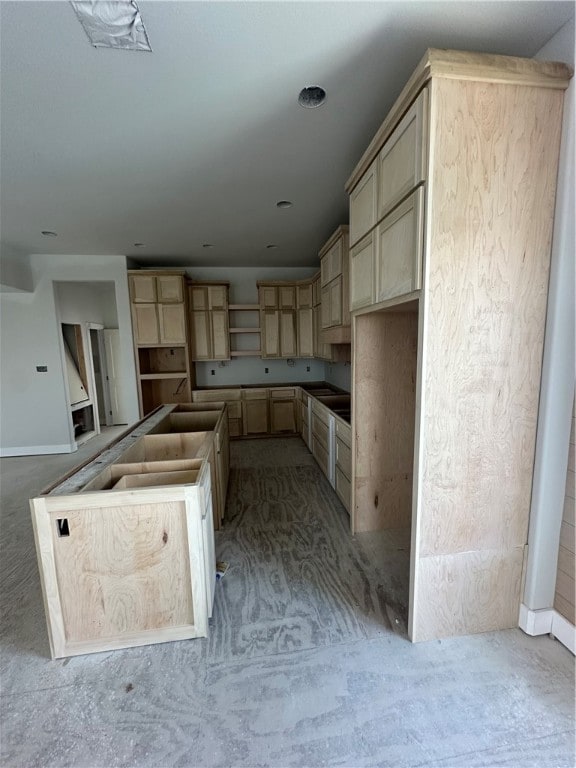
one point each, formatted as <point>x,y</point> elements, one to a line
<point>113,371</point>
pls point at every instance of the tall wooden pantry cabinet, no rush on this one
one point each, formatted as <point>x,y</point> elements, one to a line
<point>451,213</point>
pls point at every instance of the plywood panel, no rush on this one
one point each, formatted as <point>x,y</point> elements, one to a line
<point>120,570</point>
<point>466,593</point>
<point>170,288</point>
<point>363,205</point>
<point>490,215</point>
<point>172,321</point>
<point>362,273</point>
<point>145,323</point>
<point>384,407</point>
<point>142,288</point>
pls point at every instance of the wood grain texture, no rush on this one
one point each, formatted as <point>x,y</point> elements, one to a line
<point>467,592</point>
<point>465,65</point>
<point>491,201</point>
<point>383,427</point>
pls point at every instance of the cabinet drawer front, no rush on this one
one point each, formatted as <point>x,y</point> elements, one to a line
<point>399,249</point>
<point>362,273</point>
<point>142,288</point>
<point>145,322</point>
<point>343,488</point>
<point>320,453</point>
<point>170,289</point>
<point>320,431</point>
<point>402,160</point>
<point>363,205</point>
<point>343,457</point>
<point>321,412</point>
<point>255,394</point>
<point>343,432</point>
<point>283,393</point>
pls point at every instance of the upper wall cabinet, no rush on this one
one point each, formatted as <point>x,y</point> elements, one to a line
<point>209,329</point>
<point>165,289</point>
<point>449,289</point>
<point>286,319</point>
<point>334,289</point>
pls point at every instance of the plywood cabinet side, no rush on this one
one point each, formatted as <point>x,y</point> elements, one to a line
<point>486,279</point>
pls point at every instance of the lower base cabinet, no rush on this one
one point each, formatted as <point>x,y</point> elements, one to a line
<point>125,544</point>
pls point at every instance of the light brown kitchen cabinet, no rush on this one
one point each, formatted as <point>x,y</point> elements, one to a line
<point>160,337</point>
<point>445,396</point>
<point>282,410</point>
<point>233,399</point>
<point>334,283</point>
<point>285,325</point>
<point>209,326</point>
<point>255,415</point>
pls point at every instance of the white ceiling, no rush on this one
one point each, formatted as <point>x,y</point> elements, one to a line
<point>196,142</point>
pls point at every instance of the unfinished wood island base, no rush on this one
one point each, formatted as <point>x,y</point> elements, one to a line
<point>125,543</point>
<point>451,214</point>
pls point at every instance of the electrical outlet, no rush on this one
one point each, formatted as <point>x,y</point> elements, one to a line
<point>42,368</point>
<point>308,368</point>
<point>213,372</point>
<point>265,370</point>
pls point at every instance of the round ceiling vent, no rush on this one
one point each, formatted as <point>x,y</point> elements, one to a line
<point>312,96</point>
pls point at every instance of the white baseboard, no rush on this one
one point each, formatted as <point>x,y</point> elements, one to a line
<point>37,450</point>
<point>547,621</point>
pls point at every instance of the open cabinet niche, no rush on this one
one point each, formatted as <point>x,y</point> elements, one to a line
<point>82,411</point>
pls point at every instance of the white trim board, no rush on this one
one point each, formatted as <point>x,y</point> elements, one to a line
<point>37,450</point>
<point>548,621</point>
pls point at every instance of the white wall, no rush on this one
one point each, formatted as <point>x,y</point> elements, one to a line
<point>87,303</point>
<point>558,365</point>
<point>15,271</point>
<point>252,370</point>
<point>33,407</point>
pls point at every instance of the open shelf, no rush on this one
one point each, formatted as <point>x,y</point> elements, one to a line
<point>243,307</point>
<point>162,360</point>
<point>244,330</point>
<point>246,353</point>
<point>167,375</point>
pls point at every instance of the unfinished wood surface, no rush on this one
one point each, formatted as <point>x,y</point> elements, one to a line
<point>172,322</point>
<point>399,242</point>
<point>288,344</point>
<point>465,65</point>
<point>255,417</point>
<point>491,202</point>
<point>185,445</point>
<point>220,335</point>
<point>468,592</point>
<point>145,324</point>
<point>565,594</point>
<point>384,347</point>
<point>402,160</point>
<point>142,288</point>
<point>155,479</point>
<point>363,205</point>
<point>363,272</point>
<point>164,390</point>
<point>199,421</point>
<point>123,570</point>
<point>200,336</point>
<point>305,332</point>
<point>270,333</point>
<point>283,416</point>
<point>170,289</point>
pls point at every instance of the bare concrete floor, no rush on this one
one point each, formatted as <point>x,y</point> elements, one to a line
<point>307,663</point>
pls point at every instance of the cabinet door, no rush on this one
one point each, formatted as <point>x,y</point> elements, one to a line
<point>399,249</point>
<point>220,338</point>
<point>336,302</point>
<point>363,205</point>
<point>199,297</point>
<point>288,346</point>
<point>362,273</point>
<point>172,323</point>
<point>282,416</point>
<point>270,333</point>
<point>325,307</point>
<point>402,160</point>
<point>145,323</point>
<point>142,288</point>
<point>304,296</point>
<point>218,297</point>
<point>287,297</point>
<point>305,333</point>
<point>170,289</point>
<point>268,296</point>
<point>201,336</point>
<point>255,415</point>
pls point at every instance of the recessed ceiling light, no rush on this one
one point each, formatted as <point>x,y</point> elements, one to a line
<point>312,96</point>
<point>49,234</point>
<point>139,245</point>
<point>207,245</point>
<point>284,204</point>
<point>272,245</point>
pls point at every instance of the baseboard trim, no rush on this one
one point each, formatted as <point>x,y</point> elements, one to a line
<point>37,450</point>
<point>547,621</point>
